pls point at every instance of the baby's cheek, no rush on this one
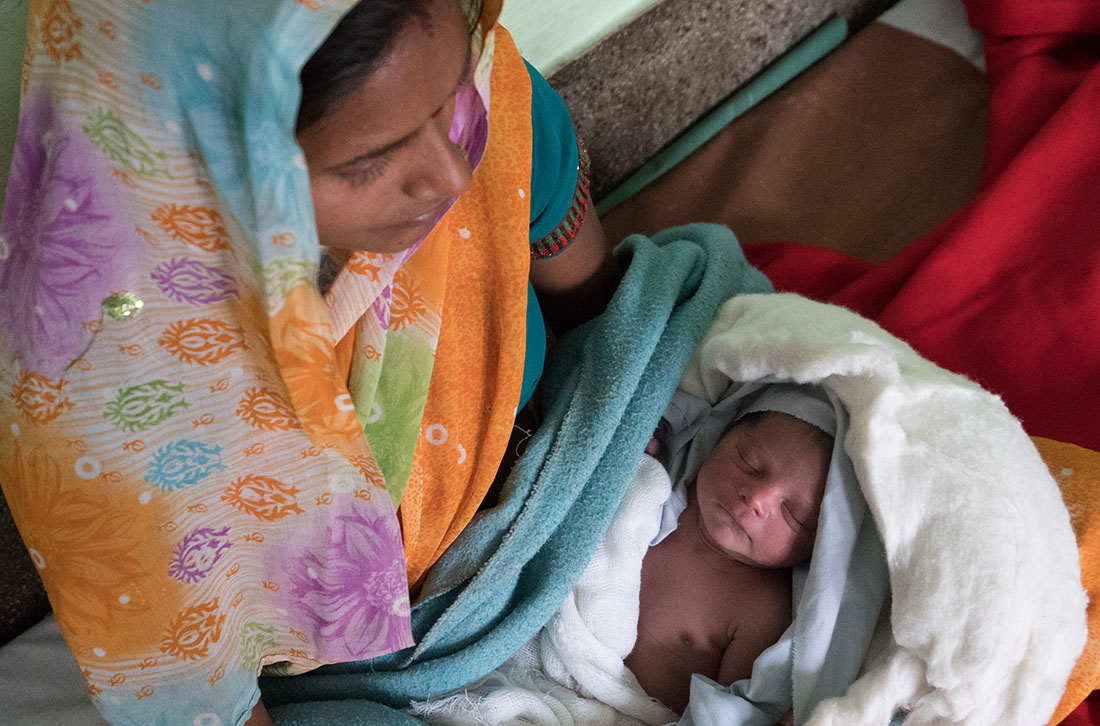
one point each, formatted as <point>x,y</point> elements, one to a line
<point>802,548</point>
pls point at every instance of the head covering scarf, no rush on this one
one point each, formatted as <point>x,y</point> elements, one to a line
<point>201,450</point>
<point>807,403</point>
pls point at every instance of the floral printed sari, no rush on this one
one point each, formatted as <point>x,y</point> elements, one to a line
<point>203,451</point>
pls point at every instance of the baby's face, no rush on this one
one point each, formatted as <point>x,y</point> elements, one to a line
<point>759,492</point>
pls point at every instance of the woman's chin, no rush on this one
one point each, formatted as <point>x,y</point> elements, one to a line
<point>389,242</point>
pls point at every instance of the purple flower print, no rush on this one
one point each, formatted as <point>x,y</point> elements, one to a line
<point>349,591</point>
<point>198,553</point>
<point>470,125</point>
<point>63,233</point>
<point>382,306</point>
<point>191,281</point>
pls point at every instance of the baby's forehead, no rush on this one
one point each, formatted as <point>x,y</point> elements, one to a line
<point>807,403</point>
<point>780,435</point>
<point>774,424</point>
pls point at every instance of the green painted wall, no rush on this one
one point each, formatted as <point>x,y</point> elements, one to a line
<point>551,33</point>
<point>13,25</point>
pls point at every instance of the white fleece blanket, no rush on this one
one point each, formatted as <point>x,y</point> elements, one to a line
<point>988,613</point>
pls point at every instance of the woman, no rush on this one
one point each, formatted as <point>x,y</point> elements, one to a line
<point>221,392</point>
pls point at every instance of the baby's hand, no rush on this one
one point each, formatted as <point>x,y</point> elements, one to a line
<point>653,448</point>
<point>656,446</point>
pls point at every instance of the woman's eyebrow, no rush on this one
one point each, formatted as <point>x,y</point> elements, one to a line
<point>395,145</point>
<point>375,153</point>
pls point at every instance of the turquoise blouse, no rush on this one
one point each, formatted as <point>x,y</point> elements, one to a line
<point>554,170</point>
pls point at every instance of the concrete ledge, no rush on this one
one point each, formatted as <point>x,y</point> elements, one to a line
<point>645,84</point>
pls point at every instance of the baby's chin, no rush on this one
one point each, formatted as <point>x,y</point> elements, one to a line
<point>735,550</point>
<point>739,546</point>
<point>728,540</point>
<point>789,559</point>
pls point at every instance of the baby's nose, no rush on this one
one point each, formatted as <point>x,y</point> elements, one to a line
<point>761,498</point>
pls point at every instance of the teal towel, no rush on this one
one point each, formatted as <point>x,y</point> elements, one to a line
<point>606,385</point>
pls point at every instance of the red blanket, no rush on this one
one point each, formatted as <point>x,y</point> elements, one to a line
<point>1087,714</point>
<point>1007,291</point>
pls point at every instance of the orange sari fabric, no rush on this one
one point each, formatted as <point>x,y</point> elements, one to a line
<point>1077,471</point>
<point>190,444</point>
<point>478,371</point>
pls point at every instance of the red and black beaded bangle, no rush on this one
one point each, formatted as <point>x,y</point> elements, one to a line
<point>562,235</point>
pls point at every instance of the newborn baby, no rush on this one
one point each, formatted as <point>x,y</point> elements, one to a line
<point>716,591</point>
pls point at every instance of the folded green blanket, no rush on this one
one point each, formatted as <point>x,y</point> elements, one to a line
<point>605,387</point>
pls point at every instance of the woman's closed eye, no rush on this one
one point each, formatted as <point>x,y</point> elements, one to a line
<point>365,172</point>
<point>370,167</point>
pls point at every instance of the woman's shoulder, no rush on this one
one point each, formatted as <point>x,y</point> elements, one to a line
<point>555,159</point>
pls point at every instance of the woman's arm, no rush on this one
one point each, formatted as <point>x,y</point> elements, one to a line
<point>576,285</point>
<point>571,268</point>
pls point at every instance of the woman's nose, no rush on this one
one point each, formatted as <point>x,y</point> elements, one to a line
<point>443,171</point>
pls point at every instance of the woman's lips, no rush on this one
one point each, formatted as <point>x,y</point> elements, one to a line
<point>431,216</point>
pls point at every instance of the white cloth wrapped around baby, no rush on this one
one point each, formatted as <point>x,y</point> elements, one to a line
<point>980,617</point>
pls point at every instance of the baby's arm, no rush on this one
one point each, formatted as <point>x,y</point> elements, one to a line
<point>760,623</point>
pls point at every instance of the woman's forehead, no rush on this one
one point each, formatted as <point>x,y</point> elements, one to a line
<point>418,73</point>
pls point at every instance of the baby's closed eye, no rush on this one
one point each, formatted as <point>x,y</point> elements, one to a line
<point>794,521</point>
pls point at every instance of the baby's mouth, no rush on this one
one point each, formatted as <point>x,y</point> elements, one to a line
<point>736,511</point>
<point>734,519</point>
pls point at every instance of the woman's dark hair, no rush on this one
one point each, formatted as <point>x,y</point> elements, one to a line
<point>354,49</point>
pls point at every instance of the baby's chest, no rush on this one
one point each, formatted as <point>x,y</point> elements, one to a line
<point>688,610</point>
<point>685,625</point>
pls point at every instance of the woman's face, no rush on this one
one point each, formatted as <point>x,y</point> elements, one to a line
<point>381,164</point>
<point>759,492</point>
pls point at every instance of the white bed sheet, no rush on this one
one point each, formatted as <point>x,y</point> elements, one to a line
<point>40,683</point>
